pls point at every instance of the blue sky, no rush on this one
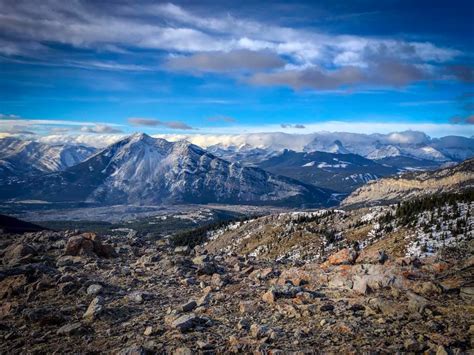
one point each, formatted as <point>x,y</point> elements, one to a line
<point>112,67</point>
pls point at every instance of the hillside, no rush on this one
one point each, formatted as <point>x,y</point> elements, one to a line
<point>377,280</point>
<point>340,172</point>
<point>393,189</point>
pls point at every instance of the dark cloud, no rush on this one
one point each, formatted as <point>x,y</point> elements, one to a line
<point>151,122</point>
<point>299,126</point>
<point>462,72</point>
<point>226,119</point>
<point>100,128</point>
<point>384,73</point>
<point>237,60</point>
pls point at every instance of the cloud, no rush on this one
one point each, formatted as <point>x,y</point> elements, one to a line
<point>299,126</point>
<point>463,119</point>
<point>236,60</point>
<point>462,72</point>
<point>151,122</point>
<point>226,119</point>
<point>100,128</point>
<point>219,43</point>
<point>380,74</point>
<point>15,124</point>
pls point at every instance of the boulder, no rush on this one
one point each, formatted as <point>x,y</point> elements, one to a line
<point>18,253</point>
<point>88,244</point>
<point>344,256</point>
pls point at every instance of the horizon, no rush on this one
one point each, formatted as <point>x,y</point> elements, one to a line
<point>184,68</point>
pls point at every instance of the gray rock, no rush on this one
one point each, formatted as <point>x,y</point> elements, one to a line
<point>94,289</point>
<point>95,308</point>
<point>187,322</point>
<point>71,329</point>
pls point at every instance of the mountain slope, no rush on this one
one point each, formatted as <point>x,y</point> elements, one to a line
<point>409,185</point>
<point>340,172</point>
<point>13,225</point>
<point>143,170</point>
<point>22,158</point>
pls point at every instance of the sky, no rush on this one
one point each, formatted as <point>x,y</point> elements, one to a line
<point>84,67</point>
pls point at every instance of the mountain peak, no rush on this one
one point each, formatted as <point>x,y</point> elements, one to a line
<point>135,137</point>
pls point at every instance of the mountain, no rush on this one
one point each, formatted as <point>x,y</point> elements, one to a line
<point>22,158</point>
<point>411,144</point>
<point>244,154</point>
<point>340,172</point>
<point>144,170</point>
<point>414,184</point>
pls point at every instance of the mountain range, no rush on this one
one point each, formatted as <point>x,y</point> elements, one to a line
<point>403,150</point>
<point>140,169</point>
<point>144,170</point>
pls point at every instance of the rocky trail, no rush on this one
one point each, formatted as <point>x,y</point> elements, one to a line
<point>67,292</point>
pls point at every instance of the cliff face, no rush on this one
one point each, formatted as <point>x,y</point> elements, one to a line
<point>389,190</point>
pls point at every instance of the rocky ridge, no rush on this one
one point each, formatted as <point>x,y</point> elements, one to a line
<point>392,189</point>
<point>72,292</point>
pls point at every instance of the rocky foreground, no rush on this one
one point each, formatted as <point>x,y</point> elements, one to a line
<point>77,293</point>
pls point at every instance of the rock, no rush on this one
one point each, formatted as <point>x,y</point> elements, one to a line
<point>136,297</point>
<point>427,288</point>
<point>148,331</point>
<point>202,345</point>
<point>71,329</point>
<point>18,253</point>
<point>219,281</point>
<point>183,351</point>
<point>248,270</point>
<point>188,306</point>
<point>416,303</point>
<point>135,350</point>
<point>182,250</point>
<point>204,300</point>
<point>326,308</point>
<point>359,284</point>
<point>78,245</point>
<point>258,331</point>
<point>467,294</point>
<point>187,322</point>
<point>248,307</point>
<point>88,244</point>
<point>206,269</point>
<point>95,308</point>
<point>243,324</point>
<point>343,257</point>
<point>94,289</point>
<point>200,259</point>
<point>269,297</point>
